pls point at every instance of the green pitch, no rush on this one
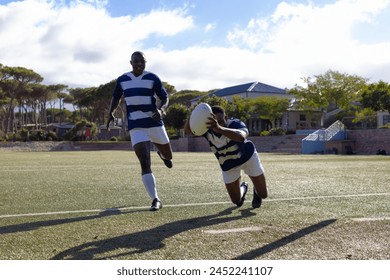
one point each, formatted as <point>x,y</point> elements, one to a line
<point>92,205</point>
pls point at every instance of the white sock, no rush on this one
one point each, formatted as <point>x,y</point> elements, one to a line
<point>242,190</point>
<point>150,185</point>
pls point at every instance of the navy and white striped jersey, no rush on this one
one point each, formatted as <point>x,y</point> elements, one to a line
<point>230,153</point>
<point>140,95</point>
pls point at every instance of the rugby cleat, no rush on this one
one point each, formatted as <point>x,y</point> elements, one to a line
<point>167,162</point>
<point>256,202</point>
<point>156,205</point>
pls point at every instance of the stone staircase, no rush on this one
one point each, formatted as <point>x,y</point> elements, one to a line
<point>290,144</point>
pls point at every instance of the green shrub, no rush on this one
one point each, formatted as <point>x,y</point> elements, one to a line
<point>171,132</point>
<point>77,132</point>
<point>385,126</point>
<point>51,136</point>
<point>264,133</point>
<point>273,132</point>
<point>277,131</point>
<point>37,135</point>
<point>23,134</point>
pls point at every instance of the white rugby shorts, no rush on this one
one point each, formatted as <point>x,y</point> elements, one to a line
<point>155,134</point>
<point>252,168</point>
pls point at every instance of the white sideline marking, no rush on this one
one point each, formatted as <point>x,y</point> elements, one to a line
<point>233,230</point>
<point>371,219</point>
<point>184,205</point>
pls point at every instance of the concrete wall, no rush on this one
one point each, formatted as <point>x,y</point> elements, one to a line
<point>365,142</point>
<point>368,142</point>
<point>282,144</point>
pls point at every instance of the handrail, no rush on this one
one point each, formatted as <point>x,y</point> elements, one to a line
<point>326,134</point>
<point>335,128</point>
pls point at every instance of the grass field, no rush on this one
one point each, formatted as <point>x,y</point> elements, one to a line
<point>92,205</point>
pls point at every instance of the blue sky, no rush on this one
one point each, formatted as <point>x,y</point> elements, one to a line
<point>197,44</point>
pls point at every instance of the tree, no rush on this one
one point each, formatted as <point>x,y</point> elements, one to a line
<point>270,108</point>
<point>101,102</point>
<point>385,100</point>
<point>330,89</point>
<point>93,103</point>
<point>176,116</point>
<point>239,108</point>
<point>215,100</point>
<point>376,96</point>
<point>169,88</point>
<point>58,91</point>
<point>366,117</point>
<point>81,131</point>
<point>56,115</point>
<point>81,98</point>
<point>4,101</point>
<point>185,96</point>
<point>14,81</point>
<point>37,102</point>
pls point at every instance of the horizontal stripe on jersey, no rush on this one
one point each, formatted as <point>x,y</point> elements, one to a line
<point>138,100</point>
<point>137,84</point>
<point>230,153</point>
<point>140,96</point>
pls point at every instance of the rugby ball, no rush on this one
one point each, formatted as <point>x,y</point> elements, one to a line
<point>199,117</point>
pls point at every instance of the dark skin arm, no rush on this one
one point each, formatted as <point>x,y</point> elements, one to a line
<point>113,106</point>
<point>159,113</point>
<point>237,135</point>
<point>234,134</point>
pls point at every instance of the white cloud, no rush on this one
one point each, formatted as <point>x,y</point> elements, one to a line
<point>307,38</point>
<point>209,27</point>
<point>79,44</point>
<point>296,41</point>
<point>82,45</point>
<point>206,68</point>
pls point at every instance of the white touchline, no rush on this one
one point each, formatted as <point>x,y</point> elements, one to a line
<point>371,219</point>
<point>233,230</point>
<point>107,210</point>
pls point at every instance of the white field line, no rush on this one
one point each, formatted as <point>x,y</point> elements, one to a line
<point>371,219</point>
<point>186,205</point>
<point>233,230</point>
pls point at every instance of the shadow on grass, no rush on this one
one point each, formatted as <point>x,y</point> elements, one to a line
<point>285,240</point>
<point>144,241</point>
<point>40,224</point>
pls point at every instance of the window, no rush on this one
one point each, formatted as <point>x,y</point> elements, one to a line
<point>386,119</point>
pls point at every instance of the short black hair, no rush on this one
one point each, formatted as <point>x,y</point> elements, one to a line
<point>137,53</point>
<point>217,109</point>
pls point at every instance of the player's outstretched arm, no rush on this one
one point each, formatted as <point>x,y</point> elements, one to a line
<point>113,106</point>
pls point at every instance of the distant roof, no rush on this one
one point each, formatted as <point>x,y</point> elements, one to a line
<point>249,87</point>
